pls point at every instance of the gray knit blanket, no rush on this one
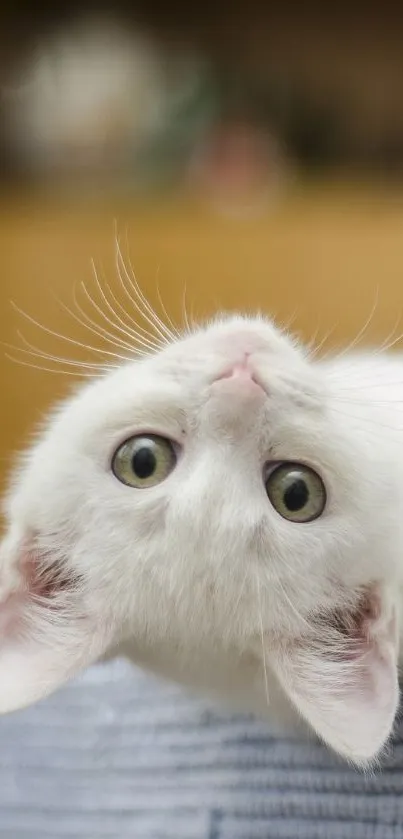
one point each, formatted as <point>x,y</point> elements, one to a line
<point>117,754</point>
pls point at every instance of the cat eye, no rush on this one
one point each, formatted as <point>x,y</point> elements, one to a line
<point>144,461</point>
<point>296,492</point>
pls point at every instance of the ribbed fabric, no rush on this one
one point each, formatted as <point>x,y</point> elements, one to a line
<point>117,755</point>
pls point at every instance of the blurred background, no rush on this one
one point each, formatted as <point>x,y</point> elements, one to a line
<point>246,156</point>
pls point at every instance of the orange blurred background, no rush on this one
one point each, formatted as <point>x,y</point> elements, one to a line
<point>325,252</point>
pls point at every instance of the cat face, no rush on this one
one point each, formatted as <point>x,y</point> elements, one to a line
<point>212,496</point>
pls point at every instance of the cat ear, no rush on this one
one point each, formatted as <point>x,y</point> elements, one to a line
<point>47,633</point>
<point>345,685</point>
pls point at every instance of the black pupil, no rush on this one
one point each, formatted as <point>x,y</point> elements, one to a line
<point>296,495</point>
<point>144,462</point>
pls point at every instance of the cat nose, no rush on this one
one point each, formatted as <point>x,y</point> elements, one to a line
<point>241,374</point>
<point>239,369</point>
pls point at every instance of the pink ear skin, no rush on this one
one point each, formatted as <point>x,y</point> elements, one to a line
<point>343,680</point>
<point>46,634</point>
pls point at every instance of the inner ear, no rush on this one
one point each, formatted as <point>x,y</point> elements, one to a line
<point>47,633</point>
<point>343,678</point>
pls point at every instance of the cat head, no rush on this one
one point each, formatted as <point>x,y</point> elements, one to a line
<point>216,495</point>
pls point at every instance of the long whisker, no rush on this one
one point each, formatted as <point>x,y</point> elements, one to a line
<point>158,322</point>
<point>131,323</point>
<point>138,332</point>
<point>134,302</point>
<point>51,369</point>
<point>259,604</point>
<point>97,308</point>
<point>174,328</point>
<point>316,349</point>
<point>86,322</point>
<point>385,347</point>
<point>385,344</point>
<point>61,337</point>
<point>146,311</point>
<point>286,596</point>
<point>363,329</point>
<point>36,351</point>
<point>189,330</point>
<point>372,422</point>
<point>124,328</point>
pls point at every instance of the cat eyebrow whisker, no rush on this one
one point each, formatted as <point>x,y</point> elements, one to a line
<point>385,344</point>
<point>93,303</point>
<point>133,302</point>
<point>31,349</point>
<point>184,312</point>
<point>363,329</point>
<point>62,337</point>
<point>388,345</point>
<point>139,334</point>
<point>134,284</point>
<point>287,324</point>
<point>124,328</point>
<point>91,326</point>
<point>314,349</point>
<point>139,300</point>
<point>175,331</point>
<point>40,367</point>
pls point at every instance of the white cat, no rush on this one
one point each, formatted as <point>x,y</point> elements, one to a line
<point>228,511</point>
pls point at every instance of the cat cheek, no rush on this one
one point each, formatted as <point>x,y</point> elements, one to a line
<point>347,694</point>
<point>46,633</point>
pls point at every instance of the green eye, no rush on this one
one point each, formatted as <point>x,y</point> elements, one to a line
<point>296,492</point>
<point>144,461</point>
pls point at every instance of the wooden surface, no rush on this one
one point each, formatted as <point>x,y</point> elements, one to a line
<point>323,256</point>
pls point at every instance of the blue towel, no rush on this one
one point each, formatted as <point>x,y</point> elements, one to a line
<point>118,755</point>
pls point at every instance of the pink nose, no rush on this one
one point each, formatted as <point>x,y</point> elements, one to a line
<point>241,374</point>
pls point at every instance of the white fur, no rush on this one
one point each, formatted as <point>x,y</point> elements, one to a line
<point>200,578</point>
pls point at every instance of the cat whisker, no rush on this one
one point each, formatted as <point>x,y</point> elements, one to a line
<point>51,357</point>
<point>60,336</point>
<point>363,329</point>
<point>87,323</point>
<point>175,331</point>
<point>139,334</point>
<point>364,385</point>
<point>374,423</point>
<point>259,605</point>
<point>316,348</point>
<point>76,374</point>
<point>141,302</point>
<point>131,323</point>
<point>385,344</point>
<point>286,325</point>
<point>304,622</point>
<point>378,403</point>
<point>144,342</point>
<point>31,349</point>
<point>184,312</point>
<point>386,347</point>
<point>134,303</point>
<point>123,328</point>
<point>158,322</point>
